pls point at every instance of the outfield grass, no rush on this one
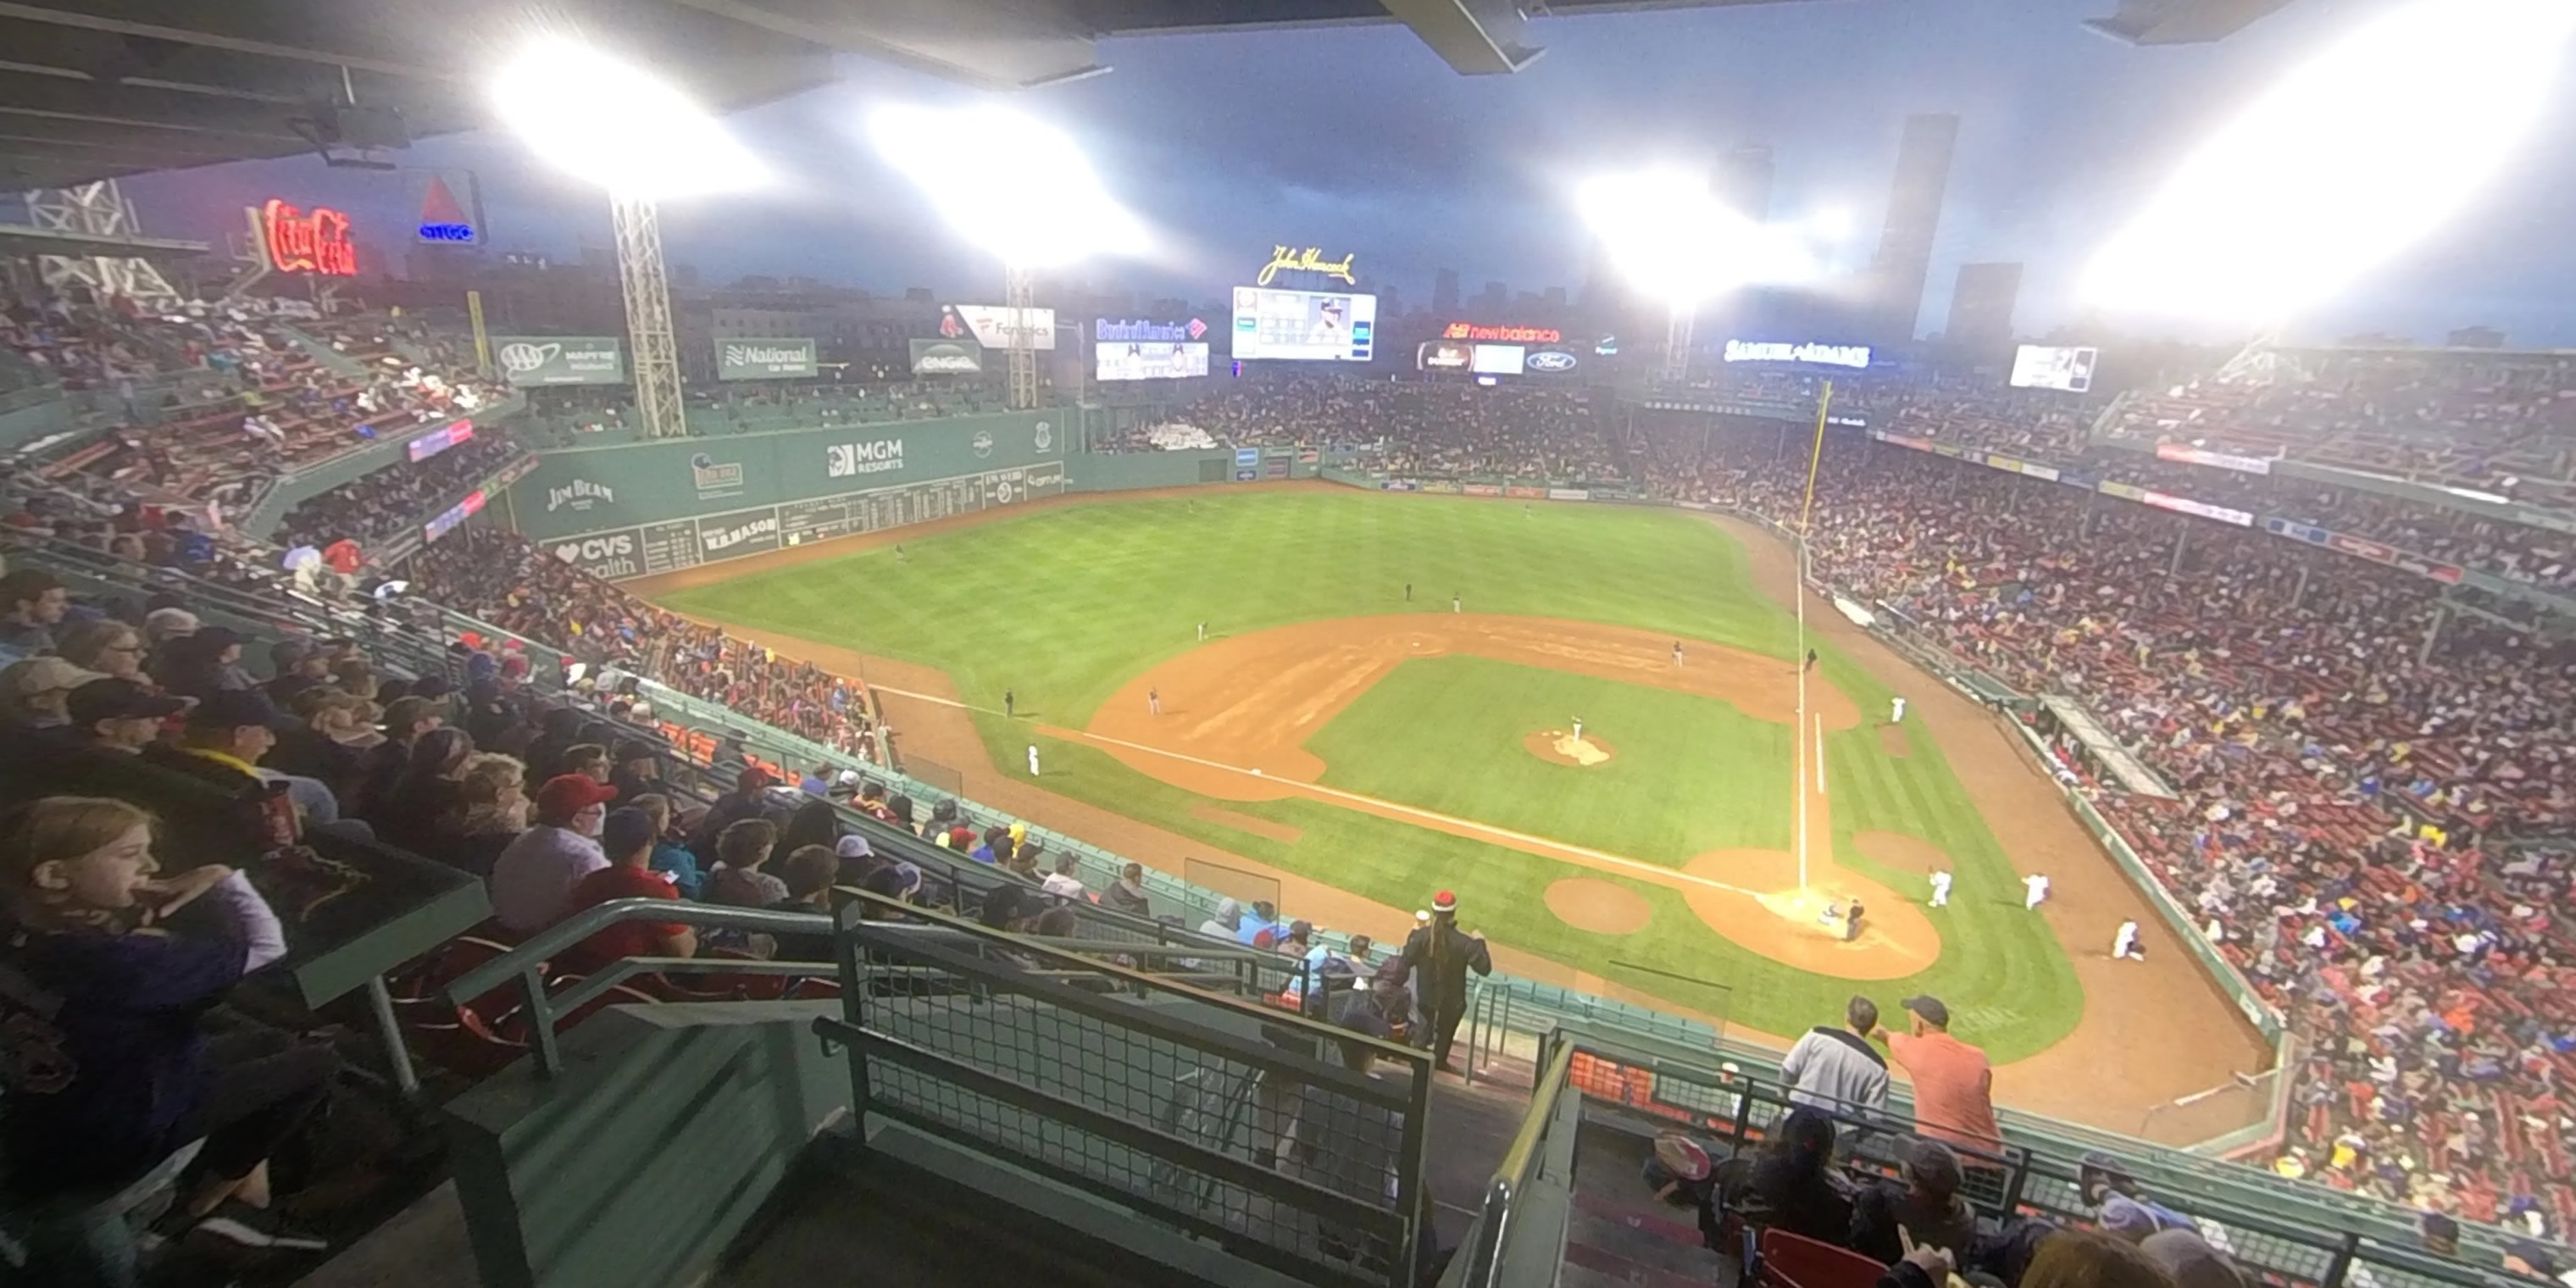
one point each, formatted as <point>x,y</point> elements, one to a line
<point>1066,604</point>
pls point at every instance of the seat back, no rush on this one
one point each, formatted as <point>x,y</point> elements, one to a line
<point>1796,1261</point>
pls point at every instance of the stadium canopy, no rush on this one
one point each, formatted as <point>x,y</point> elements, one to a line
<point>98,89</point>
<point>2182,22</point>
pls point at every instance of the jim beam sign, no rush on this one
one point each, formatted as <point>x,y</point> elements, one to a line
<point>766,360</point>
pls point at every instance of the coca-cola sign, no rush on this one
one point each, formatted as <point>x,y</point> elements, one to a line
<point>308,243</point>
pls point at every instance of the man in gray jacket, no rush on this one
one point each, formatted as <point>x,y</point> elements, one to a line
<point>1837,1070</point>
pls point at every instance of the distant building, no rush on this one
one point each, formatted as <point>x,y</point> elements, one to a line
<point>1743,181</point>
<point>2475,337</point>
<point>1981,309</point>
<point>1495,299</point>
<point>1904,257</point>
<point>1444,291</point>
<point>1554,299</point>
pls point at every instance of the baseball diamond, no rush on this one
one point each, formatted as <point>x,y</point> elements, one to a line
<point>1364,749</point>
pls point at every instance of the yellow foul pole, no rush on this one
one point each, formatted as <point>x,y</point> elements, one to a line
<point>1798,594</point>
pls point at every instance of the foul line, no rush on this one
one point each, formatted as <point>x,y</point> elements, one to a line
<point>1654,871</point>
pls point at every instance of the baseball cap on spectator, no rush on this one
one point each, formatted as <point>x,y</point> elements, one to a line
<point>2529,1257</point>
<point>568,794</point>
<point>49,674</point>
<point>233,708</point>
<point>2130,1219</point>
<point>515,666</point>
<point>625,831</point>
<point>853,847</point>
<point>1445,902</point>
<point>1930,1008</point>
<point>755,779</point>
<point>1932,1167</point>
<point>2440,1233</point>
<point>109,698</point>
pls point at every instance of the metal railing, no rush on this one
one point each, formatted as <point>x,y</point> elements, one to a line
<point>1544,1146</point>
<point>1069,1066</point>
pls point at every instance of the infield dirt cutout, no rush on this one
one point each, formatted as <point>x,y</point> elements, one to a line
<point>1559,747</point>
<point>1603,907</point>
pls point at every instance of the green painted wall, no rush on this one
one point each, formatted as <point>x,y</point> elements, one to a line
<point>1103,472</point>
<point>655,1147</point>
<point>600,489</point>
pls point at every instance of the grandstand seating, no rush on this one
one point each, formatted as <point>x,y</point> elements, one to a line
<point>2300,731</point>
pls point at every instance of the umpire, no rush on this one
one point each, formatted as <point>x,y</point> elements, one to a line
<point>1439,956</point>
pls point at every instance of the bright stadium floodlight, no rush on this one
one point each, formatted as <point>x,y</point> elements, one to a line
<point>1023,190</point>
<point>2356,155</point>
<point>637,136</point>
<point>609,122</point>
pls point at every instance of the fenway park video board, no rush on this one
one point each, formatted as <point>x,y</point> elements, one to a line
<point>1308,326</point>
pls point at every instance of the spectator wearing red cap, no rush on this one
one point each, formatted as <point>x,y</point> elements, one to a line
<point>1439,956</point>
<point>533,879</point>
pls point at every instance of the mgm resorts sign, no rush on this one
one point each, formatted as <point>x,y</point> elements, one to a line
<point>766,360</point>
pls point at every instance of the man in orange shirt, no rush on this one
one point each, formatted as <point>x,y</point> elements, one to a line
<point>1953,1084</point>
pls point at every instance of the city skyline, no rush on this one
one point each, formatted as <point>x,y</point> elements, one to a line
<point>1229,144</point>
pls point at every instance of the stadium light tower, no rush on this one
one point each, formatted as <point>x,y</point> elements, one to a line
<point>2357,153</point>
<point>1670,236</point>
<point>611,123</point>
<point>1037,204</point>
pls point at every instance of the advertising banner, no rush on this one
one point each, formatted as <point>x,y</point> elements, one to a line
<point>439,440</point>
<point>2123,491</point>
<point>2220,460</point>
<point>1830,355</point>
<point>2362,548</point>
<point>946,358</point>
<point>1484,489</point>
<point>1401,485</point>
<point>766,360</point>
<point>561,359</point>
<point>1277,467</point>
<point>1246,476</point>
<point>2185,505</point>
<point>1444,488</point>
<point>1150,360</point>
<point>1568,494</point>
<point>2377,552</point>
<point>2040,366</point>
<point>1519,493</point>
<point>674,544</point>
<point>1499,359</point>
<point>992,325</point>
<point>1443,355</point>
<point>1552,362</point>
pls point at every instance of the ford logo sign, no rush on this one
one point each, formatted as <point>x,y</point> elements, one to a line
<point>1551,360</point>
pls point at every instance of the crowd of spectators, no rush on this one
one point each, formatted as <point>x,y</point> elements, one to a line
<point>2373,829</point>
<point>599,417</point>
<point>2498,423</point>
<point>1439,429</point>
<point>374,506</point>
<point>498,577</point>
<point>212,401</point>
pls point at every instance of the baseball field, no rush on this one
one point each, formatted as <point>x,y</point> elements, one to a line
<point>1383,705</point>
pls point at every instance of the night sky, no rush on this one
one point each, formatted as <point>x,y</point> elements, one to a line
<point>1360,140</point>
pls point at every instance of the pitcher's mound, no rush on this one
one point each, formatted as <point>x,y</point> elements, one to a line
<point>1603,907</point>
<point>1558,747</point>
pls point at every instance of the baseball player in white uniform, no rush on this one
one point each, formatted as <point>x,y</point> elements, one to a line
<point>1578,728</point>
<point>1896,711</point>
<point>1941,888</point>
<point>1033,760</point>
<point>2036,886</point>
<point>2125,943</point>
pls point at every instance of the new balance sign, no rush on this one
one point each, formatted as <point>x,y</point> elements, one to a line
<point>765,360</point>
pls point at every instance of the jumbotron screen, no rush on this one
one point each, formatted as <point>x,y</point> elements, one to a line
<point>1309,326</point>
<point>1150,360</point>
<point>2041,366</point>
